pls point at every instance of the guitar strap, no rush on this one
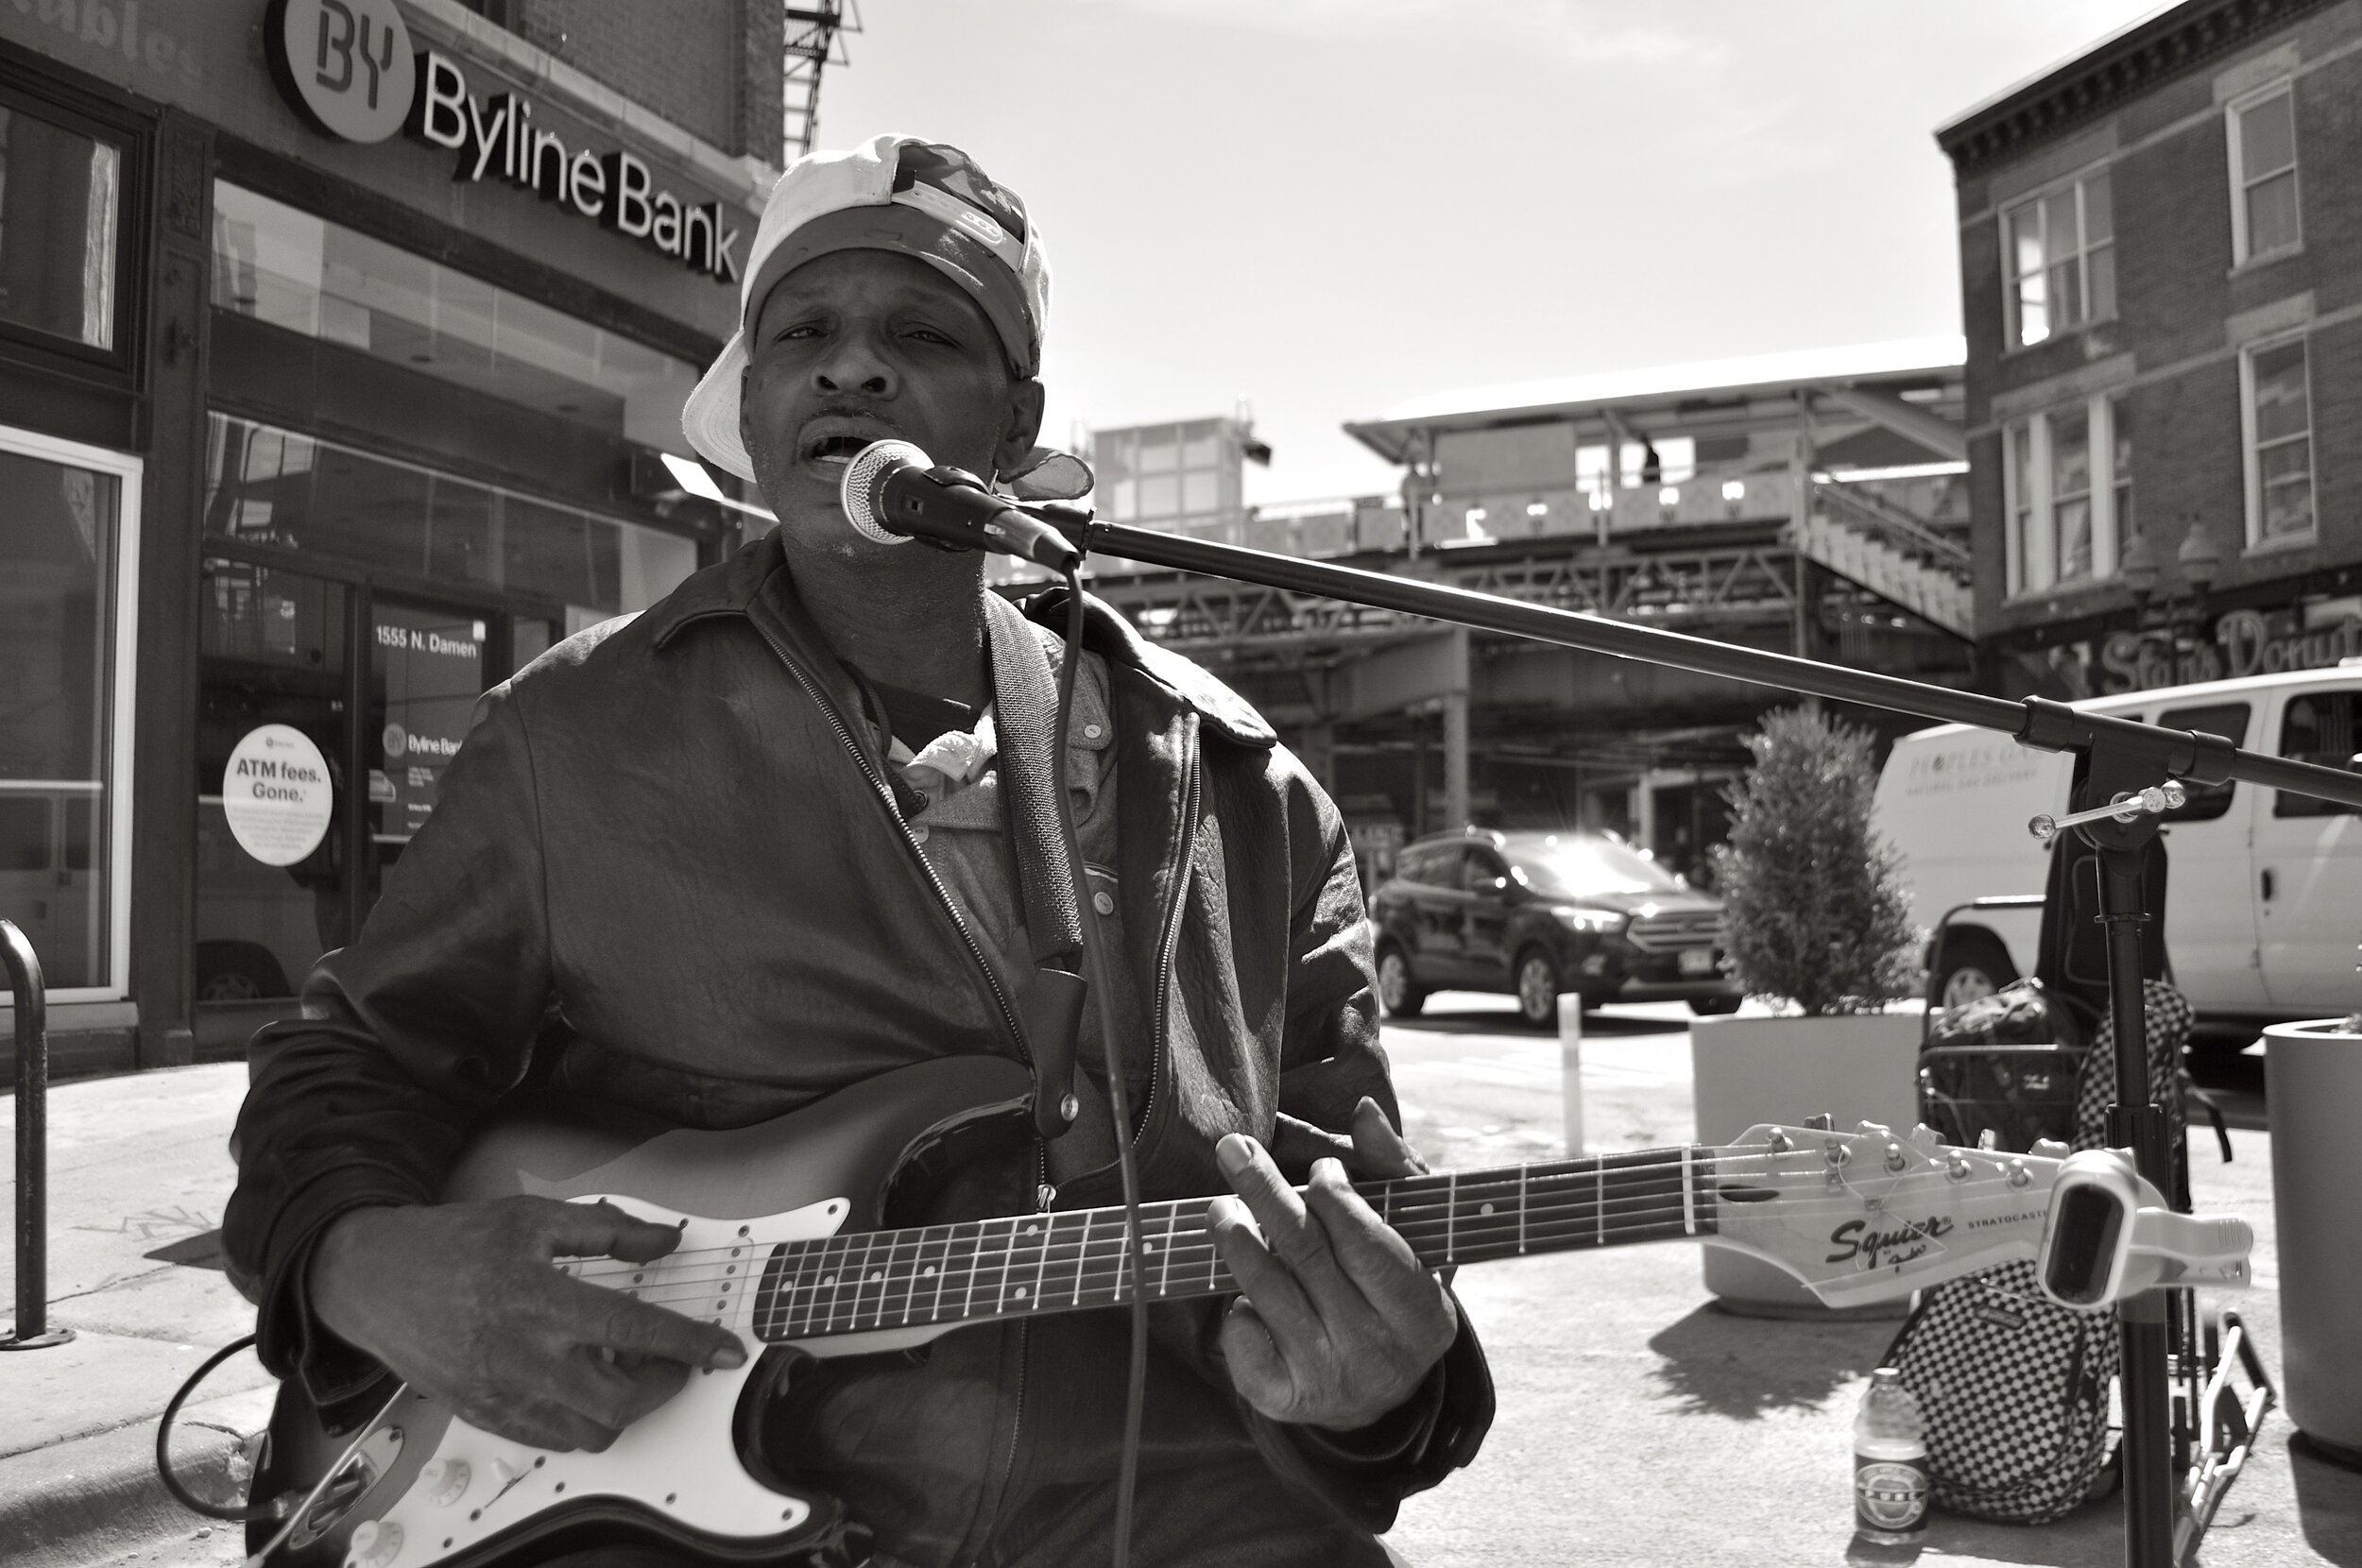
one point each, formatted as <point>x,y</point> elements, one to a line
<point>1025,712</point>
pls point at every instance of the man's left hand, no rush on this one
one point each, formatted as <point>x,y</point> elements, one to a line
<point>1338,1323</point>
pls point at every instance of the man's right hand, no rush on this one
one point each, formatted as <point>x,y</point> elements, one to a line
<point>461,1302</point>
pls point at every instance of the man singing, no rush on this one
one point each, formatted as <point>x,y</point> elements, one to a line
<point>710,865</point>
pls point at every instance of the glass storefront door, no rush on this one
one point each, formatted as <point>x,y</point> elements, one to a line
<point>327,714</point>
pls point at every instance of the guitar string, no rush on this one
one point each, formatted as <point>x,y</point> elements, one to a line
<point>1104,1270</point>
<point>837,1253</point>
<point>1409,1193</point>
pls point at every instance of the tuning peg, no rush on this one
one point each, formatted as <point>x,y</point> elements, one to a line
<point>1955,1167</point>
<point>2050,1149</point>
<point>1874,1130</point>
<point>1988,1140</point>
<point>1779,1142</point>
<point>2019,1175</point>
<point>1824,1122</point>
<point>1926,1138</point>
<point>1896,1159</point>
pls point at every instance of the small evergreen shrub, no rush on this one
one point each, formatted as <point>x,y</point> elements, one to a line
<point>1815,909</point>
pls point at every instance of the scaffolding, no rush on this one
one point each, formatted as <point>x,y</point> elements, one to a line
<point>814,38</point>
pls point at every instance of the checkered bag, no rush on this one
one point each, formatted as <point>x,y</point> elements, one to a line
<point>2014,1386</point>
<point>2016,1391</point>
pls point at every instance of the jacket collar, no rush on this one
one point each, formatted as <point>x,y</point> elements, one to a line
<point>731,587</point>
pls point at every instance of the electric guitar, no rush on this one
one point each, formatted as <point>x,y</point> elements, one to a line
<point>789,1238</point>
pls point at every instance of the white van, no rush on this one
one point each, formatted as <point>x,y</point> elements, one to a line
<point>2264,888</point>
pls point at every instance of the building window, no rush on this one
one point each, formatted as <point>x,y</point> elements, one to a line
<point>2120,470</point>
<point>290,269</point>
<point>2071,494</point>
<point>2067,477</point>
<point>2264,173</point>
<point>2060,257</point>
<point>61,196</point>
<point>272,486</point>
<point>69,551</point>
<point>2279,444</point>
<point>1182,477</point>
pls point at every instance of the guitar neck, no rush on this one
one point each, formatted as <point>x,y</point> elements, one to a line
<point>1064,1262</point>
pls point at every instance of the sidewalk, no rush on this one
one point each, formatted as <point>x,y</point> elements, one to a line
<point>1638,1425</point>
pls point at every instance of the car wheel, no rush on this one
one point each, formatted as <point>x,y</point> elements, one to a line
<point>1396,992</point>
<point>1537,987</point>
<point>1972,964</point>
<point>1713,1007</point>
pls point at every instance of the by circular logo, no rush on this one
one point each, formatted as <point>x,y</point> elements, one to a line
<point>277,793</point>
<point>397,742</point>
<point>346,64</point>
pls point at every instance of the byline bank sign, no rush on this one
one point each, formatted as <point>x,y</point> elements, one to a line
<point>348,66</point>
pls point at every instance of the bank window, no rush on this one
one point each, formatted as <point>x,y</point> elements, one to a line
<point>2280,444</point>
<point>273,487</point>
<point>2264,173</point>
<point>2066,474</point>
<point>61,206</point>
<point>2059,259</point>
<point>2318,726</point>
<point>295,271</point>
<point>69,541</point>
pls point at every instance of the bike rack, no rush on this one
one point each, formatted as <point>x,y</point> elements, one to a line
<point>33,1137</point>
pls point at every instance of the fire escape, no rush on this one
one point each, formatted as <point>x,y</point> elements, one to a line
<point>814,38</point>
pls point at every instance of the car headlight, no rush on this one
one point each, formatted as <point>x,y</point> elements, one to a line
<point>1577,918</point>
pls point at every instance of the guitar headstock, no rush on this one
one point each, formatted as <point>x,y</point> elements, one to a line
<point>1872,1214</point>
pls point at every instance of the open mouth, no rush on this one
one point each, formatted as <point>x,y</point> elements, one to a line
<point>835,448</point>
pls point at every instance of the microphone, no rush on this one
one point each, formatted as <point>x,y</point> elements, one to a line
<point>892,491</point>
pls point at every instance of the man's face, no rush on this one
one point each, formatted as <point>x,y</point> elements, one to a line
<point>861,346</point>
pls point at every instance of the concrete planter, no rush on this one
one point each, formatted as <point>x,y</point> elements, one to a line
<point>2313,1080</point>
<point>1858,1067</point>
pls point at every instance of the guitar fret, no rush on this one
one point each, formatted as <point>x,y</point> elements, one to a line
<point>1451,1215</point>
<point>1082,1260</point>
<point>1522,1173</point>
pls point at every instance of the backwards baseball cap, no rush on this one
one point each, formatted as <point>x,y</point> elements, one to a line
<point>919,199</point>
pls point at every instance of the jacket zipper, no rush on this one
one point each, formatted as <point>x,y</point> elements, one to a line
<point>1183,862</point>
<point>1008,1014</point>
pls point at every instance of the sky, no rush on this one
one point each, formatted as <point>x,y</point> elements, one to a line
<point>1326,208</point>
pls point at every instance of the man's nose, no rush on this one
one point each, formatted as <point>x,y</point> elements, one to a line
<point>856,362</point>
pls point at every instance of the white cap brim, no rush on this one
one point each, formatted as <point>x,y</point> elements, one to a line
<point>709,418</point>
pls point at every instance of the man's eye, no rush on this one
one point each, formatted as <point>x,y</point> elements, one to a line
<point>928,335</point>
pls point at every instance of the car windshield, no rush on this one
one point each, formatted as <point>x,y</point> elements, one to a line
<point>1571,867</point>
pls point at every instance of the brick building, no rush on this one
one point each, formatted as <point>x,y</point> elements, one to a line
<point>340,348</point>
<point>2160,259</point>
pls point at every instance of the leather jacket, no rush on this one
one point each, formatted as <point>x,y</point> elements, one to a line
<point>666,884</point>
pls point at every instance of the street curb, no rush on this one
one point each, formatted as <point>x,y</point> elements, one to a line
<point>97,1497</point>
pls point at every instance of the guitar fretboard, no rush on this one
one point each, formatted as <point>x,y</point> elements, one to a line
<point>1069,1261</point>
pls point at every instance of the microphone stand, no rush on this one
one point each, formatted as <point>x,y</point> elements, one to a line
<point>2123,756</point>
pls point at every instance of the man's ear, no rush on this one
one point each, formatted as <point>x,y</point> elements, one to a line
<point>1022,429</point>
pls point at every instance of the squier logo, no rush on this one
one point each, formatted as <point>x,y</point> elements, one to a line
<point>348,68</point>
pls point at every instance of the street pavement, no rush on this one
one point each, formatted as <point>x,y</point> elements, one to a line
<point>1637,1425</point>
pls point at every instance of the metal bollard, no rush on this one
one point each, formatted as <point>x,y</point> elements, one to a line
<point>32,1136</point>
<point>1571,1069</point>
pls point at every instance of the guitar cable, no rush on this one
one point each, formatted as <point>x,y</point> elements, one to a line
<point>234,1513</point>
<point>1118,1088</point>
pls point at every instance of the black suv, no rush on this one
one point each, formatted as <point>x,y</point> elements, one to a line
<point>1535,914</point>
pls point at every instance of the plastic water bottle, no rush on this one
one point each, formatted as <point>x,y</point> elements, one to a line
<point>1890,1463</point>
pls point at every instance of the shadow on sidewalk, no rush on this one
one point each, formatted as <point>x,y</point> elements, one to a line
<point>1746,1368</point>
<point>2329,1501</point>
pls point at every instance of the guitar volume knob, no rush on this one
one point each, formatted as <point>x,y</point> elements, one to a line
<point>376,1542</point>
<point>444,1481</point>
